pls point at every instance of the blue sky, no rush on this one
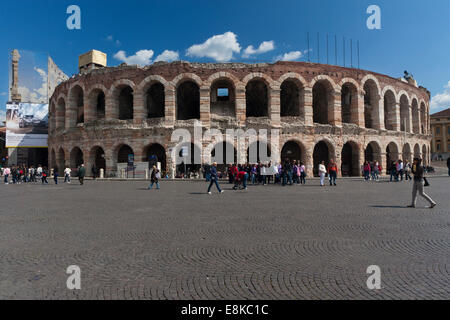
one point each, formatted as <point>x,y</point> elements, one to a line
<point>415,34</point>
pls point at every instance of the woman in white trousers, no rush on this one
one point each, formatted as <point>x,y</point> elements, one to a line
<point>322,172</point>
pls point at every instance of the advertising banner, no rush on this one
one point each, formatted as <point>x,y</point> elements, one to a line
<point>26,125</point>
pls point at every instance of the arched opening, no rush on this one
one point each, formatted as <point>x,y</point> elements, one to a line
<point>62,159</point>
<point>370,103</point>
<point>97,102</point>
<point>98,158</point>
<point>391,155</point>
<point>404,114</point>
<point>424,155</point>
<point>155,99</point>
<point>292,99</point>
<point>323,100</point>
<point>415,116</point>
<point>322,152</point>
<point>292,152</point>
<point>126,103</point>
<point>124,153</point>
<point>406,153</point>
<point>350,160</point>
<point>224,154</point>
<point>423,119</point>
<point>188,101</point>
<point>191,160</point>
<point>156,153</point>
<point>52,117</point>
<point>349,103</point>
<point>76,158</point>
<point>223,98</point>
<point>417,151</point>
<point>61,114</point>
<point>389,110</point>
<point>258,151</point>
<point>77,104</point>
<point>257,98</point>
<point>372,152</point>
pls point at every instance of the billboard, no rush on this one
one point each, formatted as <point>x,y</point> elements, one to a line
<point>26,125</point>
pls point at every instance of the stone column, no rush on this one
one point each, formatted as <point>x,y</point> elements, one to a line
<point>308,106</point>
<point>395,117</point>
<point>169,106</point>
<point>90,111</point>
<point>111,107</point>
<point>409,123</point>
<point>241,113</point>
<point>274,107</point>
<point>110,163</point>
<point>205,108</point>
<point>378,112</point>
<point>139,109</point>
<point>88,161</point>
<point>335,114</point>
<point>358,110</point>
<point>71,117</point>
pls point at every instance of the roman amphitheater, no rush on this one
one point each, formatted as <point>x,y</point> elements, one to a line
<point>323,112</point>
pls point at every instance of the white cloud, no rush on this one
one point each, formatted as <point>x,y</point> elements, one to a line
<point>265,46</point>
<point>289,56</point>
<point>110,38</point>
<point>168,56</point>
<point>219,47</point>
<point>142,57</point>
<point>441,100</point>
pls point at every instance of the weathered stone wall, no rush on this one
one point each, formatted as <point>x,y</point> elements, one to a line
<point>368,92</point>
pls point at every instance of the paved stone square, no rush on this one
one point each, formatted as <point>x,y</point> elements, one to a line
<point>270,242</point>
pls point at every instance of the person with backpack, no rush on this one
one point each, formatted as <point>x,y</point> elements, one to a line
<point>154,178</point>
<point>332,172</point>
<point>418,184</point>
<point>44,176</point>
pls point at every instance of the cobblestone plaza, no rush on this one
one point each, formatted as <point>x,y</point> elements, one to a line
<point>270,242</point>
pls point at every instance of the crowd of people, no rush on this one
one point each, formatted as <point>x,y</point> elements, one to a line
<point>38,174</point>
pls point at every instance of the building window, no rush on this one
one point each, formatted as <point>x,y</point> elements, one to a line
<point>438,130</point>
<point>438,147</point>
<point>448,130</point>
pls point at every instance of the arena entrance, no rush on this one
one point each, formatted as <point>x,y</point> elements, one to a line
<point>350,166</point>
<point>321,153</point>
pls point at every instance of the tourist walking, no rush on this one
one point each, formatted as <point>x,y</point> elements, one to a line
<point>393,172</point>
<point>214,179</point>
<point>407,170</point>
<point>367,170</point>
<point>55,175</point>
<point>67,172</point>
<point>44,175</point>
<point>332,172</point>
<point>302,173</point>
<point>418,171</point>
<point>154,178</point>
<point>81,174</point>
<point>6,173</point>
<point>322,173</point>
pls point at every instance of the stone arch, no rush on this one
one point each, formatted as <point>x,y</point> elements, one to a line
<point>154,100</point>
<point>185,77</point>
<point>324,150</point>
<point>350,165</point>
<point>193,158</point>
<point>97,157</point>
<point>390,105</point>
<point>155,152</point>
<point>372,152</point>
<point>405,119</point>
<point>349,100</point>
<point>406,153</point>
<point>259,151</point>
<point>76,105</point>
<point>61,113</point>
<point>392,154</point>
<point>259,75</point>
<point>417,153</point>
<point>121,99</point>
<point>222,95</point>
<point>221,154</point>
<point>372,78</point>
<point>121,152</point>
<point>294,150</point>
<point>62,159</point>
<point>257,97</point>
<point>76,158</point>
<point>97,102</point>
<point>187,99</point>
<point>323,90</point>
<point>292,96</point>
<point>371,103</point>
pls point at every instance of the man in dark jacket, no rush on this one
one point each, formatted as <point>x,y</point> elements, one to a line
<point>418,171</point>
<point>214,179</point>
<point>81,174</point>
